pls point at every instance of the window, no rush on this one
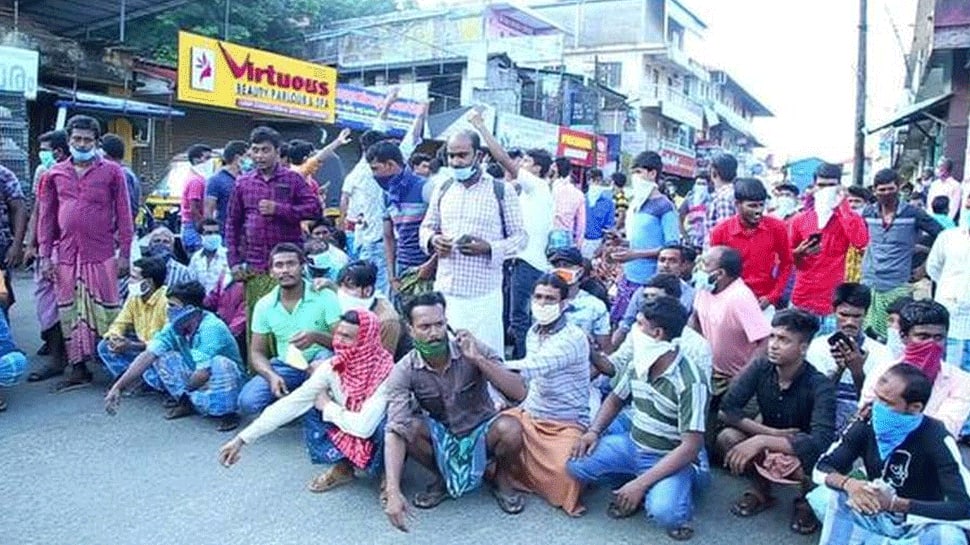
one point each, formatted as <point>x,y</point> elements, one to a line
<point>610,74</point>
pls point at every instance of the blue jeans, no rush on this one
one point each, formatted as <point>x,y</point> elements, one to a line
<point>256,395</point>
<point>374,252</point>
<point>191,239</point>
<point>669,502</point>
<point>524,277</point>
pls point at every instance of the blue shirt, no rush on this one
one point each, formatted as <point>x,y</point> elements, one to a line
<point>219,186</point>
<point>405,205</point>
<point>600,216</point>
<point>211,339</point>
<point>134,190</point>
<point>652,227</point>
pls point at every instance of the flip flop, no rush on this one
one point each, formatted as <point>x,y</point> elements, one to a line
<point>330,479</point>
<point>180,411</point>
<point>46,372</point>
<point>751,503</point>
<point>228,422</point>
<point>431,497</point>
<point>803,520</point>
<point>512,503</point>
<point>683,533</point>
<point>80,377</point>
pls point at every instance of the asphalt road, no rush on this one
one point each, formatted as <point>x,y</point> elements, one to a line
<point>71,474</point>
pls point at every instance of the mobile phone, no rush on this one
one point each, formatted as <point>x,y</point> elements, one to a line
<point>815,239</point>
<point>463,240</point>
<point>839,337</point>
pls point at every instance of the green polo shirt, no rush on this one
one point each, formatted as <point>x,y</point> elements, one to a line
<point>317,311</point>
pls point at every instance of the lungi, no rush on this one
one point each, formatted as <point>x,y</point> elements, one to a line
<point>843,526</point>
<point>460,460</point>
<point>88,301</point>
<point>482,316</point>
<point>217,397</point>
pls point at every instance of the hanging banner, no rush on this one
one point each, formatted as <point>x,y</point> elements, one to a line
<point>227,75</point>
<point>516,131</point>
<point>576,146</point>
<point>358,107</point>
<point>18,71</point>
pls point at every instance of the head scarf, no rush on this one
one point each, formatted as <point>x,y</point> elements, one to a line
<point>361,368</point>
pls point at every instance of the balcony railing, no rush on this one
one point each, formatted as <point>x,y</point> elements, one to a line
<point>673,104</point>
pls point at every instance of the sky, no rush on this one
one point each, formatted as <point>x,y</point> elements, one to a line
<point>799,59</point>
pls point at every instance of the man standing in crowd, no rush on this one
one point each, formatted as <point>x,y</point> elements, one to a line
<point>473,223</point>
<point>761,240</point>
<point>797,424</point>
<point>219,187</point>
<point>820,240</point>
<point>651,223</point>
<point>600,213</point>
<point>265,209</point>
<point>848,355</point>
<point>114,150</point>
<point>570,204</point>
<point>291,318</point>
<point>724,168</point>
<point>459,429</point>
<point>86,215</point>
<point>894,231</point>
<point>913,469</point>
<point>949,266</point>
<point>191,210</point>
<point>946,186</point>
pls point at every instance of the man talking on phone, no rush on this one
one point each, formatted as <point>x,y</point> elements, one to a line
<point>821,236</point>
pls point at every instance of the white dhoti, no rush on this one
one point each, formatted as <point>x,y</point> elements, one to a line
<point>482,316</point>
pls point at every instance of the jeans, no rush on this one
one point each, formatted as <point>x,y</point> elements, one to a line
<point>256,394</point>
<point>669,502</point>
<point>524,277</point>
<point>374,252</point>
<point>191,239</point>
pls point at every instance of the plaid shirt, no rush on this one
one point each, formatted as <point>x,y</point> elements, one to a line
<point>721,207</point>
<point>473,210</point>
<point>249,234</point>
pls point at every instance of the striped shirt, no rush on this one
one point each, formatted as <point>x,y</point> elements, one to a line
<point>888,261</point>
<point>406,203</point>
<point>588,313</point>
<point>557,372</point>
<point>721,207</point>
<point>177,273</point>
<point>473,209</point>
<point>665,407</point>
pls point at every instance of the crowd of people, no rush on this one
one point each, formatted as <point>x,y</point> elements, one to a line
<point>483,313</point>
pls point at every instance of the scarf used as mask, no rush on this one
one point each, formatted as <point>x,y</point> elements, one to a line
<point>927,356</point>
<point>361,368</point>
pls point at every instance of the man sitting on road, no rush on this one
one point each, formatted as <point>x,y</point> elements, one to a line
<point>194,358</point>
<point>459,431</point>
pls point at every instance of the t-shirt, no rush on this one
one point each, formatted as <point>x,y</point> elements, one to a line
<point>733,323</point>
<point>317,311</point>
<point>536,199</point>
<point>652,227</point>
<point>194,191</point>
<point>219,187</point>
<point>405,204</point>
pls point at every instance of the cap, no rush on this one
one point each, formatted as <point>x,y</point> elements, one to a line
<point>570,255</point>
<point>828,170</point>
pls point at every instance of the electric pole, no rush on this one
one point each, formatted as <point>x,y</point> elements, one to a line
<point>858,166</point>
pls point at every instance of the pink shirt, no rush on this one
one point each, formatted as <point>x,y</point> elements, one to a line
<point>194,191</point>
<point>570,209</point>
<point>949,400</point>
<point>732,321</point>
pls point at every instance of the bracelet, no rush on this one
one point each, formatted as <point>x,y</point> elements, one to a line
<point>842,483</point>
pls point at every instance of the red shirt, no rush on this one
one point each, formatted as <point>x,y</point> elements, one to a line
<point>819,274</point>
<point>764,250</point>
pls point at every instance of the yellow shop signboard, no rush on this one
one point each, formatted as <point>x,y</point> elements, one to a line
<point>226,75</point>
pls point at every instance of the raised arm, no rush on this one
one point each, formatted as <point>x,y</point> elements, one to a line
<point>498,152</point>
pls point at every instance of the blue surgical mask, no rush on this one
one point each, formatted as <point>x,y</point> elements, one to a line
<point>464,173</point>
<point>892,427</point>
<point>47,158</point>
<point>246,164</point>
<point>83,156</point>
<point>161,251</point>
<point>177,314</point>
<point>703,280</point>
<point>211,243</point>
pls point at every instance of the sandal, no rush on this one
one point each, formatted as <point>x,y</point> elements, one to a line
<point>616,512</point>
<point>331,478</point>
<point>431,497</point>
<point>228,422</point>
<point>170,403</point>
<point>751,503</point>
<point>683,533</point>
<point>183,409</point>
<point>3,404</point>
<point>46,372</point>
<point>79,378</point>
<point>512,503</point>
<point>803,519</point>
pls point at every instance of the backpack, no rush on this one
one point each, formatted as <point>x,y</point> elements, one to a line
<point>499,189</point>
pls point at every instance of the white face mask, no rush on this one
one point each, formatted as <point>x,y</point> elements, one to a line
<point>642,187</point>
<point>785,206</point>
<point>894,341</point>
<point>594,192</point>
<point>646,350</point>
<point>205,168</point>
<point>350,302</point>
<point>545,314</point>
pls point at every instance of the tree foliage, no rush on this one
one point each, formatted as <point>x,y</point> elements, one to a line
<point>274,25</point>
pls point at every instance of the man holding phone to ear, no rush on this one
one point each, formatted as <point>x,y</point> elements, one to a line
<point>821,237</point>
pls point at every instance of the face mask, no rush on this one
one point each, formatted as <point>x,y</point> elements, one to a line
<point>204,169</point>
<point>785,206</point>
<point>384,181</point>
<point>703,280</point>
<point>699,195</point>
<point>892,427</point>
<point>569,276</point>
<point>160,250</point>
<point>246,164</point>
<point>642,187</point>
<point>646,350</point>
<point>82,156</point>
<point>894,342</point>
<point>545,314</point>
<point>176,315</point>
<point>926,356</point>
<point>143,288</point>
<point>47,158</point>
<point>858,210</point>
<point>211,243</point>
<point>432,349</point>
<point>464,173</point>
<point>594,192</point>
<point>350,302</point>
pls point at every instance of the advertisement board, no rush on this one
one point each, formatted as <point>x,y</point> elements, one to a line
<point>516,131</point>
<point>226,75</point>
<point>358,107</point>
<point>18,71</point>
<point>577,146</point>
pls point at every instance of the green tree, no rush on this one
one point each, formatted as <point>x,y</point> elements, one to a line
<point>274,25</point>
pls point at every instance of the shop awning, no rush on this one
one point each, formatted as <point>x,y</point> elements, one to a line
<point>914,112</point>
<point>81,100</point>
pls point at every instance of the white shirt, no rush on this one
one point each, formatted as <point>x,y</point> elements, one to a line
<point>949,266</point>
<point>821,358</point>
<point>538,209</point>
<point>365,198</point>
<point>208,272</point>
<point>945,188</point>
